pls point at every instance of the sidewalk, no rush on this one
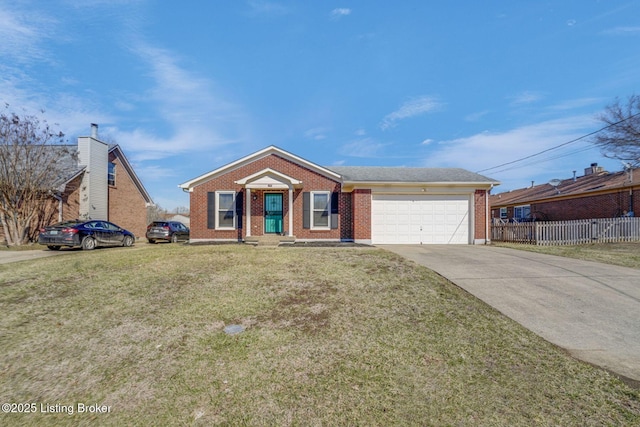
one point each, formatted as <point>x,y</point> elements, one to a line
<point>15,256</point>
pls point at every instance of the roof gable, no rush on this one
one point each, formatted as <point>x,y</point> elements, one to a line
<point>117,151</point>
<point>269,178</point>
<point>269,151</point>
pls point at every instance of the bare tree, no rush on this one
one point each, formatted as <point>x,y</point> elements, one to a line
<point>29,170</point>
<point>155,213</point>
<point>183,210</point>
<point>620,139</point>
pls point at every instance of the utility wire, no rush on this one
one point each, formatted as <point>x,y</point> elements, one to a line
<point>546,159</point>
<point>559,146</point>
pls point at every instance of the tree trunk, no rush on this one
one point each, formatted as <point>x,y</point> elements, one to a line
<point>15,232</point>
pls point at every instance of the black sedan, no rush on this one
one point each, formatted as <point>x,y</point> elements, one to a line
<point>170,231</point>
<point>85,234</point>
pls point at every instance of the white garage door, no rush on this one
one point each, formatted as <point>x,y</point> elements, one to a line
<point>418,219</point>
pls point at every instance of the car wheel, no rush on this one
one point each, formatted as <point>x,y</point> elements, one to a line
<point>151,241</point>
<point>88,243</point>
<point>54,248</point>
<point>174,238</point>
<point>128,241</point>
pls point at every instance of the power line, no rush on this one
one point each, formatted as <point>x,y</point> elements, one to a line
<point>558,146</point>
<point>546,159</point>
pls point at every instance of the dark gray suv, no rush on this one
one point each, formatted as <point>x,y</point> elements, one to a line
<point>170,231</point>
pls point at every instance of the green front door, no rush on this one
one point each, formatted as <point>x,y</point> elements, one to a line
<point>273,213</point>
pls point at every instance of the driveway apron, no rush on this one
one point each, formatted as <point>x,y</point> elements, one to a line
<point>588,308</point>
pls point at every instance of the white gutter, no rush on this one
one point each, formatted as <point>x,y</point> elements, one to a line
<point>60,205</point>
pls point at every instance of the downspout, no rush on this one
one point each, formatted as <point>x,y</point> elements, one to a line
<point>60,205</point>
<point>487,216</point>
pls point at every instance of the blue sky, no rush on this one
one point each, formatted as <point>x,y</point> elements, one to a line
<point>186,87</point>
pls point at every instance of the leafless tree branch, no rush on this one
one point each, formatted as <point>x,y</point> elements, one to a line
<point>29,170</point>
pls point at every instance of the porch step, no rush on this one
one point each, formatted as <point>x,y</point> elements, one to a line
<point>269,240</point>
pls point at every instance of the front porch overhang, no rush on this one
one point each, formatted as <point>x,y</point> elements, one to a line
<point>269,179</point>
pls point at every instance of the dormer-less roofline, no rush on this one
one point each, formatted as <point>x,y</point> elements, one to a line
<point>265,152</point>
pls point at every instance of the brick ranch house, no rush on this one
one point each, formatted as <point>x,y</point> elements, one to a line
<point>274,192</point>
<point>596,194</point>
<point>97,182</point>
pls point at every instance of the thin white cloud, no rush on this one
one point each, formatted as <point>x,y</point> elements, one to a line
<point>197,112</point>
<point>340,12</point>
<point>490,149</point>
<point>412,108</point>
<point>317,134</point>
<point>526,97</point>
<point>363,147</point>
<point>622,31</point>
<point>263,7</point>
<point>474,117</point>
<point>22,33</point>
<point>575,103</point>
<point>200,117</point>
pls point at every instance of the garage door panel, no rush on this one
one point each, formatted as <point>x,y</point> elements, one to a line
<point>418,219</point>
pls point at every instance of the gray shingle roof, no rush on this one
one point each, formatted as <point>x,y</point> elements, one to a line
<point>407,174</point>
<point>585,185</point>
<point>67,158</point>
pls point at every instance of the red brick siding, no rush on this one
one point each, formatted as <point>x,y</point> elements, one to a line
<point>480,212</point>
<point>346,216</point>
<point>601,206</point>
<point>71,200</point>
<point>361,209</point>
<point>311,180</point>
<point>127,207</point>
<point>606,205</point>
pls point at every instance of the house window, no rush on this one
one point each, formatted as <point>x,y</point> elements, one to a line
<point>111,176</point>
<point>226,210</point>
<point>522,212</point>
<point>503,213</point>
<point>320,209</point>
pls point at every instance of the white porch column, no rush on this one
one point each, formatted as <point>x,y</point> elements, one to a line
<point>248,213</point>
<point>290,211</point>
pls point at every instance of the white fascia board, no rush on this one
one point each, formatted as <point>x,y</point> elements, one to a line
<point>132,173</point>
<point>272,149</point>
<point>349,186</point>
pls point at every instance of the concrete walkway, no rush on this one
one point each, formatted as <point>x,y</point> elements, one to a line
<point>14,256</point>
<point>588,308</point>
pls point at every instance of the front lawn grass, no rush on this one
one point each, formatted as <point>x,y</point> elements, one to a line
<point>624,254</point>
<point>333,336</point>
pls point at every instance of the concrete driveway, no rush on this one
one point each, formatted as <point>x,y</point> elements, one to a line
<point>588,308</point>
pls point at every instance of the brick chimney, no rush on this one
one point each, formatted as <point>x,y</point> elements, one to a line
<point>593,169</point>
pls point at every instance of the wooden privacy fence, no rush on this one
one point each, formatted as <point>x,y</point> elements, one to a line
<point>602,230</point>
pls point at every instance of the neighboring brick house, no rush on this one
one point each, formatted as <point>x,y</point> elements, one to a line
<point>97,182</point>
<point>274,192</point>
<point>596,194</point>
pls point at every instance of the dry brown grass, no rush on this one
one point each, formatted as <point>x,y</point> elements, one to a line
<point>333,337</point>
<point>624,254</point>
